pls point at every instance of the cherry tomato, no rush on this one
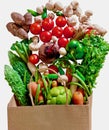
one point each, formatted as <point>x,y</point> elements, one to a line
<point>57,31</point>
<point>47,24</point>
<point>62,42</point>
<point>68,32</point>
<point>34,58</point>
<point>61,21</point>
<point>45,36</point>
<point>35,28</point>
<point>53,67</point>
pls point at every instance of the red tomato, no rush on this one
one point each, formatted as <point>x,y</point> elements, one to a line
<point>34,58</point>
<point>47,24</point>
<point>33,87</point>
<point>53,67</point>
<point>61,21</point>
<point>62,42</point>
<point>35,28</point>
<point>45,36</point>
<point>57,31</point>
<point>68,32</point>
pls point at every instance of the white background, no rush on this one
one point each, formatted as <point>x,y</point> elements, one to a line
<point>100,108</point>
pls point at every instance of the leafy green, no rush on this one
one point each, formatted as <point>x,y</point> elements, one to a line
<point>20,66</point>
<point>22,49</point>
<point>96,49</point>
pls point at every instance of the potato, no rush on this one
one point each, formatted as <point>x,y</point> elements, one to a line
<point>12,28</point>
<point>21,33</point>
<point>28,18</point>
<point>26,27</point>
<point>18,18</point>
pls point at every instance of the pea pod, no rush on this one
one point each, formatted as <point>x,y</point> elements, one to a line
<point>37,94</point>
<point>52,76</point>
<point>61,71</point>
<point>80,75</point>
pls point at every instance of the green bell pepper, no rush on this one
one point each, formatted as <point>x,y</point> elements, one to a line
<point>75,49</point>
<point>57,95</point>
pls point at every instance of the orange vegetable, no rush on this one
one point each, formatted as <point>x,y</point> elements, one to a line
<point>78,98</point>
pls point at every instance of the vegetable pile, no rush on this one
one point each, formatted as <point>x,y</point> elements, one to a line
<point>59,56</point>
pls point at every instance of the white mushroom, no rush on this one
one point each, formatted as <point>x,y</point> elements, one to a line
<point>34,46</point>
<point>83,18</point>
<point>62,51</point>
<point>101,31</point>
<point>58,6</point>
<point>51,15</point>
<point>43,67</point>
<point>54,39</point>
<point>77,12</point>
<point>49,5</point>
<point>39,10</point>
<point>88,13</point>
<point>72,21</point>
<point>38,19</point>
<point>62,79</point>
<point>68,11</point>
<point>75,4</point>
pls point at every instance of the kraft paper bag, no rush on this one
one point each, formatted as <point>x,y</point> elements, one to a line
<point>49,117</point>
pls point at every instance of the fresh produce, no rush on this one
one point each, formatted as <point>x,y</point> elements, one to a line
<point>34,58</point>
<point>57,31</point>
<point>19,66</point>
<point>57,95</point>
<point>75,49</point>
<point>20,25</point>
<point>96,48</point>
<point>22,49</point>
<point>59,57</point>
<point>35,28</point>
<point>68,32</point>
<point>17,85</point>
<point>45,36</point>
<point>61,21</point>
<point>62,42</point>
<point>33,86</point>
<point>47,24</point>
<point>78,98</point>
